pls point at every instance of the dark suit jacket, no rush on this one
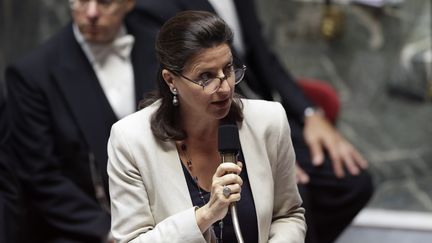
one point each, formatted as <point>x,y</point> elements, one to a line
<point>9,186</point>
<point>63,120</point>
<point>265,75</point>
<point>4,121</point>
<point>10,196</point>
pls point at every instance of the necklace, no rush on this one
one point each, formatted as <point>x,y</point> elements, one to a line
<point>183,146</point>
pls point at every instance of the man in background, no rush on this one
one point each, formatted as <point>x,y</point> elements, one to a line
<point>65,95</point>
<point>331,172</point>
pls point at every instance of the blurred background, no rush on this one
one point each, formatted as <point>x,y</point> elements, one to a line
<point>378,56</point>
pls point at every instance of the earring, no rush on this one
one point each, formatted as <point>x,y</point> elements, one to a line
<point>175,99</point>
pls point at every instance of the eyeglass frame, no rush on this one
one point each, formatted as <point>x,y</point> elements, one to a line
<point>204,84</point>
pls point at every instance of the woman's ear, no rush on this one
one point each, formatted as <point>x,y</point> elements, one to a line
<point>169,78</point>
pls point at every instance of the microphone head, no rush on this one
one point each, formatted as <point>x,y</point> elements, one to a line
<point>229,141</point>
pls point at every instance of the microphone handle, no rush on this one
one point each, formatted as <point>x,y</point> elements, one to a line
<point>236,224</point>
<point>232,158</point>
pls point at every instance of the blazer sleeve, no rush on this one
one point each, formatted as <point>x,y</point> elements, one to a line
<point>132,216</point>
<point>58,200</point>
<point>288,224</point>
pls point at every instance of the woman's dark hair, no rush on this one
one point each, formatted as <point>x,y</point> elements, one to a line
<point>180,39</point>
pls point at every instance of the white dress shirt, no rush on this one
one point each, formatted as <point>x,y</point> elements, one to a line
<point>113,67</point>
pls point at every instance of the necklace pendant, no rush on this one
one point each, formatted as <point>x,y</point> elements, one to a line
<point>221,225</point>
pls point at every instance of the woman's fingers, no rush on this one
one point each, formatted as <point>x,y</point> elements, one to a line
<point>227,182</point>
<point>228,168</point>
<point>232,189</point>
<point>226,189</point>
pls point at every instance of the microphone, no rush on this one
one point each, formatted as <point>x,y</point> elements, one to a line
<point>229,146</point>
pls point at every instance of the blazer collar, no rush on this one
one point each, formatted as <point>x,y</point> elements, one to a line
<point>84,96</point>
<point>78,82</point>
<point>143,54</point>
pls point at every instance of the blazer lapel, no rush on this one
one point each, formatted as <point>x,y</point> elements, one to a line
<point>260,180</point>
<point>143,54</point>
<point>244,11</point>
<point>78,83</point>
<point>176,187</point>
<point>172,192</point>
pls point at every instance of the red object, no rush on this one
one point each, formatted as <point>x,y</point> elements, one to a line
<point>322,95</point>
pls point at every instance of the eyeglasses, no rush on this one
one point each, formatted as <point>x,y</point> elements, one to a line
<point>212,84</point>
<point>104,6</point>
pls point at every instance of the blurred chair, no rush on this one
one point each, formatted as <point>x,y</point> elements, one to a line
<point>322,95</point>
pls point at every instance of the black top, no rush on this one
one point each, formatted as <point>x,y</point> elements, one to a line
<point>245,209</point>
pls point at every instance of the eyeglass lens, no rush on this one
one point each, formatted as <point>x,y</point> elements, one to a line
<point>215,83</point>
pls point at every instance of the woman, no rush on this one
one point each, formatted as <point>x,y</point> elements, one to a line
<point>166,180</point>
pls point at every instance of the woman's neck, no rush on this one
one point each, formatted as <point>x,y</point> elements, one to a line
<point>200,129</point>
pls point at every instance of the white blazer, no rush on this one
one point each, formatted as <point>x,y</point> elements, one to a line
<point>150,201</point>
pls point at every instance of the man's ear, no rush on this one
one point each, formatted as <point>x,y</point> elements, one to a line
<point>169,78</point>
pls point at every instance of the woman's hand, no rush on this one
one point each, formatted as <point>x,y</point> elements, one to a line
<point>227,174</point>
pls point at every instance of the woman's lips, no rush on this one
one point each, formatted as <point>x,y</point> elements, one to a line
<point>221,103</point>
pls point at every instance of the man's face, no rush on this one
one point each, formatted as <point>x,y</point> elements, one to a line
<point>100,20</point>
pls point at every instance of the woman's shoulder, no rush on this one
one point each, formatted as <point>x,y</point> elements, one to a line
<point>261,108</point>
<point>261,115</point>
